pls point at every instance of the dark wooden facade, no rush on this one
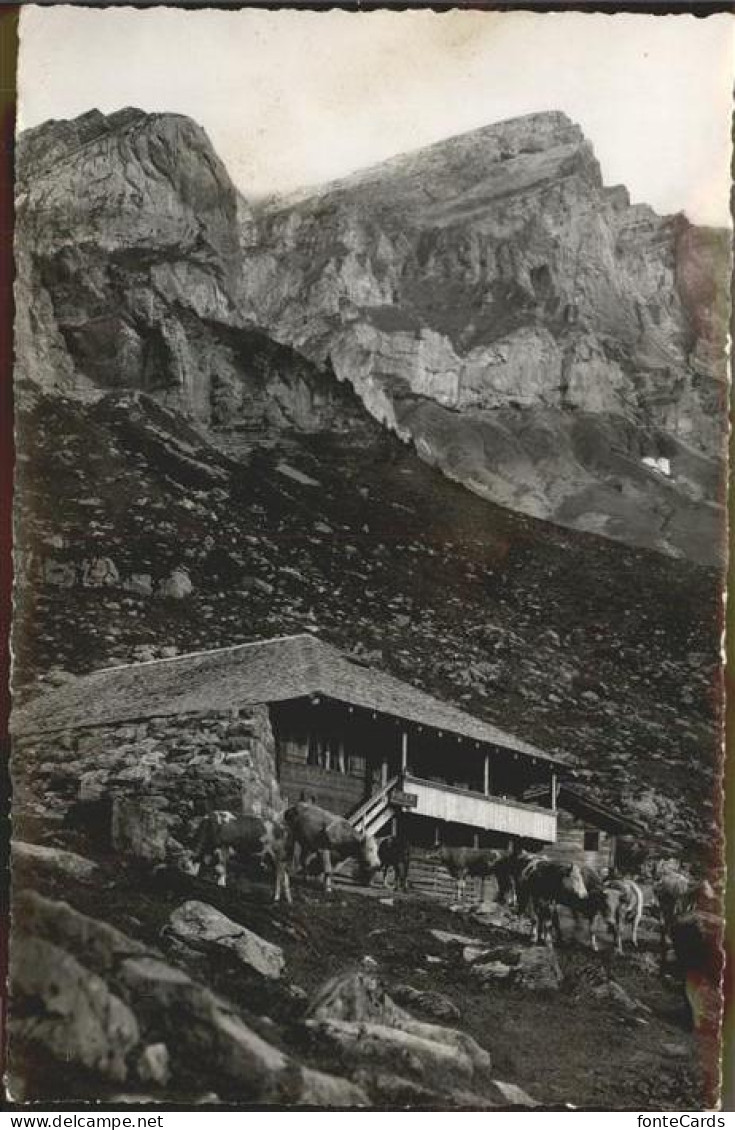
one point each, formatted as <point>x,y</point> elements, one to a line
<point>579,841</point>
<point>461,791</point>
<point>465,791</point>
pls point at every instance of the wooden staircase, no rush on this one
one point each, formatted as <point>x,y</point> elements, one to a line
<point>373,814</point>
<point>425,876</point>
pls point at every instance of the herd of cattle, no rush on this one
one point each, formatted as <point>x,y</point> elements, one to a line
<point>535,885</point>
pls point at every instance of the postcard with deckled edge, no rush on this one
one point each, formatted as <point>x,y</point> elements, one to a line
<point>371,396</point>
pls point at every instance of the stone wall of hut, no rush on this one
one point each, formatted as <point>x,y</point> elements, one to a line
<point>143,786</point>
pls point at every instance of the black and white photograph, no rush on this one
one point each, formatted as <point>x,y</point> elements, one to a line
<point>370,536</point>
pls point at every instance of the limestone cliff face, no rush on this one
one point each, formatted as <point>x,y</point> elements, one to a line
<point>129,258</point>
<point>121,220</point>
<point>535,334</point>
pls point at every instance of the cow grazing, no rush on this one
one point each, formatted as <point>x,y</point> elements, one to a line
<point>394,853</point>
<point>619,902</point>
<point>543,884</point>
<point>251,837</point>
<point>464,862</point>
<point>313,829</point>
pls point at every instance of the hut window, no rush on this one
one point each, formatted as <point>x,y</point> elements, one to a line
<point>357,765</point>
<point>591,839</point>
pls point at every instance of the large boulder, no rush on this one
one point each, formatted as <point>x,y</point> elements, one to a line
<point>354,1017</point>
<point>355,996</point>
<point>54,859</point>
<point>66,1012</point>
<point>84,992</point>
<point>203,927</point>
<point>380,1047</point>
<point>99,946</point>
<point>203,1029</point>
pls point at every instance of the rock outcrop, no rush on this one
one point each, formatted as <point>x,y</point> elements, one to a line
<point>129,267</point>
<point>120,219</point>
<point>106,1009</point>
<point>353,1014</point>
<point>203,927</point>
<point>532,332</point>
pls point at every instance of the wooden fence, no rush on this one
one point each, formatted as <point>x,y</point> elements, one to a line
<point>425,877</point>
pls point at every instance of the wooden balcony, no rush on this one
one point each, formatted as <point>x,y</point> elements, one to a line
<point>492,813</point>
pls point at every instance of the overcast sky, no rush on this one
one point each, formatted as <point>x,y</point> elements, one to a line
<point>294,98</point>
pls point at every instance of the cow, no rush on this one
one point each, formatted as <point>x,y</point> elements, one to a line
<point>677,895</point>
<point>462,862</point>
<point>591,905</point>
<point>394,853</point>
<point>507,872</point>
<point>619,902</point>
<point>252,837</point>
<point>542,885</point>
<point>314,829</point>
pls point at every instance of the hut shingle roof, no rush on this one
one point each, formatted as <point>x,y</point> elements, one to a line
<point>266,671</point>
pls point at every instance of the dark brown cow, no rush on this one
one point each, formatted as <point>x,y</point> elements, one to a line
<point>314,829</point>
<point>394,853</point>
<point>266,841</point>
<point>464,862</point>
<point>507,872</point>
<point>542,885</point>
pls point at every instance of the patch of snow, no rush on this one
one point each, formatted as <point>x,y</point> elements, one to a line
<point>661,465</point>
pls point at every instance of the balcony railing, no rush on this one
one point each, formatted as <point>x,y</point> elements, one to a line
<point>493,813</point>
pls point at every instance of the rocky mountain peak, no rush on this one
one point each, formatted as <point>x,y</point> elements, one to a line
<point>473,167</point>
<point>528,329</point>
<point>127,223</point>
<point>535,334</point>
<point>127,179</point>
